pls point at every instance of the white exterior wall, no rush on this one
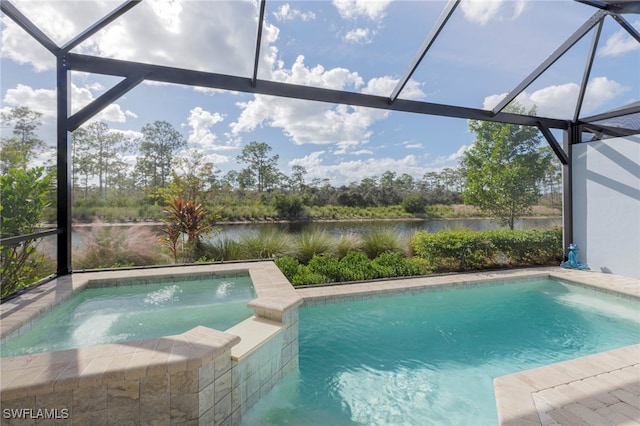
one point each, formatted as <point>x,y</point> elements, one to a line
<point>606,205</point>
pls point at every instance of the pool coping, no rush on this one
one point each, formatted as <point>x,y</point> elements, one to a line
<point>598,389</point>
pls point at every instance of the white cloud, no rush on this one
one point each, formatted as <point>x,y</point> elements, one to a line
<point>131,135</point>
<point>313,159</point>
<point>483,11</point>
<point>383,86</point>
<point>458,154</point>
<point>60,21</point>
<point>413,145</point>
<point>203,138</point>
<point>362,152</point>
<point>600,91</point>
<point>351,9</point>
<point>217,158</point>
<point>44,101</point>
<point>22,48</point>
<point>560,100</point>
<point>41,100</point>
<point>318,123</point>
<point>168,13</point>
<point>306,121</point>
<point>211,92</point>
<point>620,43</point>
<point>286,13</point>
<point>201,122</point>
<point>358,36</point>
<point>169,26</point>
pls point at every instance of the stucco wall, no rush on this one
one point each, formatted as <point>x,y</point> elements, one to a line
<point>606,204</point>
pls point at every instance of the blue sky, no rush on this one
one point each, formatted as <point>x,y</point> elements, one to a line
<point>365,46</point>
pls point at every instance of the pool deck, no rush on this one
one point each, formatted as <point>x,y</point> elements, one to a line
<point>600,389</point>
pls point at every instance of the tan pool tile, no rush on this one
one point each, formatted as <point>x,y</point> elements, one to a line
<point>177,360</point>
<point>93,372</point>
<point>545,378</point>
<point>583,394</point>
<point>68,379</point>
<point>586,415</point>
<point>556,397</point>
<point>115,370</point>
<point>137,366</point>
<point>616,417</point>
<point>627,397</point>
<point>628,410</point>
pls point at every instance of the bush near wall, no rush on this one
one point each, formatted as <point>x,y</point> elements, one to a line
<point>447,251</point>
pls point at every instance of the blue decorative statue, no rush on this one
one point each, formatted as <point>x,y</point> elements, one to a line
<point>572,262</point>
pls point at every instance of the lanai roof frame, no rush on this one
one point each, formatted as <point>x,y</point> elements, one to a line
<point>135,73</point>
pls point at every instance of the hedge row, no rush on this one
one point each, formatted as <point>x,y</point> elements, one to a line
<point>446,251</point>
<point>354,266</point>
<point>443,251</point>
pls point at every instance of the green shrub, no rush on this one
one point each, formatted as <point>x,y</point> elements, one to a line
<point>465,250</point>
<point>266,244</point>
<point>356,266</point>
<point>223,249</point>
<point>312,243</point>
<point>396,265</point>
<point>24,200</point>
<point>288,265</point>
<point>304,276</point>
<point>414,203</point>
<point>382,240</point>
<point>437,252</point>
<point>328,266</point>
<point>348,242</point>
<point>453,250</point>
<point>289,206</point>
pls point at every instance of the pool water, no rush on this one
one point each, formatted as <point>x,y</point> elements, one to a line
<point>431,358</point>
<point>115,314</point>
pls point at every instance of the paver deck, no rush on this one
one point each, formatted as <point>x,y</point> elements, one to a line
<point>601,389</point>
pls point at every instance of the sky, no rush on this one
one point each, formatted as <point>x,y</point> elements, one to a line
<point>363,46</point>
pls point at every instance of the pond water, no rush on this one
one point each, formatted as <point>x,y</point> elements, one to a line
<point>402,227</point>
<point>358,227</point>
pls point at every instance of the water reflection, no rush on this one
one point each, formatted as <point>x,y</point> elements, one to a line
<point>359,227</point>
<point>402,227</point>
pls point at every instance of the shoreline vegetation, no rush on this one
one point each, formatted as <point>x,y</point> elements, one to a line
<point>334,214</point>
<point>318,257</point>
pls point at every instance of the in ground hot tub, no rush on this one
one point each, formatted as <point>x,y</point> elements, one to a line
<point>123,310</point>
<point>201,374</point>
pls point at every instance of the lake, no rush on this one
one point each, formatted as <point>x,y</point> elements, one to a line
<point>360,227</point>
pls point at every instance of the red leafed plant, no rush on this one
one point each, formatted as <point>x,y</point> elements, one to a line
<point>184,218</point>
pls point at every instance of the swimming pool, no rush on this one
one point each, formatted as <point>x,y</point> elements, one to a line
<point>431,358</point>
<point>110,313</point>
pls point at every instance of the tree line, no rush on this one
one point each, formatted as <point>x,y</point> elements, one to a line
<point>505,170</point>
